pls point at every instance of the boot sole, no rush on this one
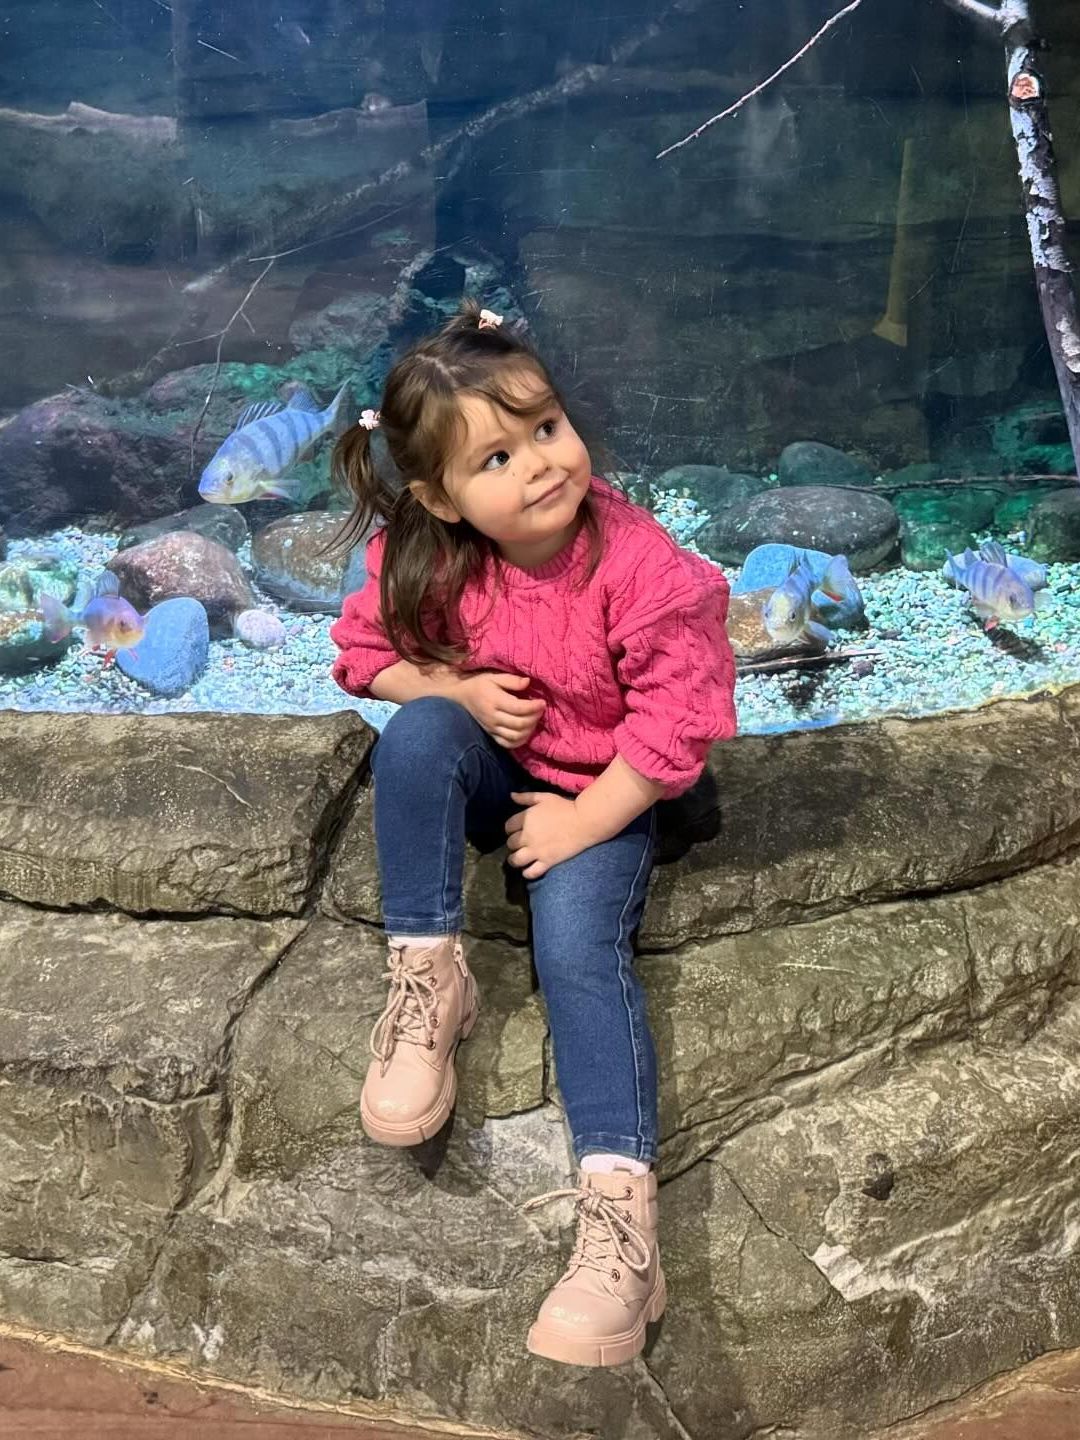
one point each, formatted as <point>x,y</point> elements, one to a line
<point>415,1132</point>
<point>611,1349</point>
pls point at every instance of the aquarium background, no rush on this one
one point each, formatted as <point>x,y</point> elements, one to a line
<point>208,200</point>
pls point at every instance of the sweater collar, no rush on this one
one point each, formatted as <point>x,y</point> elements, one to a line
<point>567,559</point>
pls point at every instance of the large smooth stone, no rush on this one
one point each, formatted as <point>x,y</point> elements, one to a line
<point>769,565</point>
<point>835,520</point>
<point>714,487</point>
<point>293,563</point>
<point>223,523</point>
<point>809,462</point>
<point>1053,526</point>
<point>172,654</point>
<point>77,454</point>
<point>183,563</point>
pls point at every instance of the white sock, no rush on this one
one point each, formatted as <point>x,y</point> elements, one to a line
<point>608,1164</point>
<point>417,939</point>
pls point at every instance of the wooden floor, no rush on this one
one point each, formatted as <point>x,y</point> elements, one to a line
<point>1040,1402</point>
<point>51,1394</point>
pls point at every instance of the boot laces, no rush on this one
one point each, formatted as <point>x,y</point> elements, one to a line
<point>604,1234</point>
<point>410,1006</point>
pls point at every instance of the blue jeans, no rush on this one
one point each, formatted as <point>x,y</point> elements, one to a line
<point>440,777</point>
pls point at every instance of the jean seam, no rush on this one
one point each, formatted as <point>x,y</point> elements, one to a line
<point>446,813</point>
<point>622,963</point>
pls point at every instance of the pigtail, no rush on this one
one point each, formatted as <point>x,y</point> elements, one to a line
<point>353,470</point>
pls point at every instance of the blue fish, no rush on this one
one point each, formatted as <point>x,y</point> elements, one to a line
<point>1029,571</point>
<point>268,439</point>
<point>997,594</point>
<point>955,565</point>
<point>837,602</point>
<point>787,614</point>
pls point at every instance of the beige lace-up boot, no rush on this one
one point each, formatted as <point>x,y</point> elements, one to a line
<point>432,1006</point>
<point>613,1286</point>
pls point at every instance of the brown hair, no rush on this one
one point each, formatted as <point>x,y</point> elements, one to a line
<point>427,562</point>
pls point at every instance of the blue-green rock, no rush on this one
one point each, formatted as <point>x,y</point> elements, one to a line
<point>715,488</point>
<point>1053,527</point>
<point>809,462</point>
<point>24,578</point>
<point>23,645</point>
<point>924,547</point>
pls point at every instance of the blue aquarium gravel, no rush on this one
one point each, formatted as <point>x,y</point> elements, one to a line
<point>934,655</point>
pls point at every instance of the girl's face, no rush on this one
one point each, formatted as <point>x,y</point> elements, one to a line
<point>518,480</point>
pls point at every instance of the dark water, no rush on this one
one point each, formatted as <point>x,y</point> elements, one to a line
<point>300,188</point>
<point>714,305</point>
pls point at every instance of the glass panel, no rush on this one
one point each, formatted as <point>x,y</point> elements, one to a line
<point>208,205</point>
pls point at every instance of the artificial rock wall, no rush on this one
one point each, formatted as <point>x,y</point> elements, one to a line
<point>861,949</point>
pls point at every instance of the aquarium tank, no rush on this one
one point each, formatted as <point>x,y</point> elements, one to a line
<point>809,339</point>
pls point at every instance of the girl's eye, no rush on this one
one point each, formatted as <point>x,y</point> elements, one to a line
<point>501,456</point>
<point>547,427</point>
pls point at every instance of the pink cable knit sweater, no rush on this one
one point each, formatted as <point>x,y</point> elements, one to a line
<point>637,663</point>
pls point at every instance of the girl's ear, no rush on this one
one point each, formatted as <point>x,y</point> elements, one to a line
<point>438,506</point>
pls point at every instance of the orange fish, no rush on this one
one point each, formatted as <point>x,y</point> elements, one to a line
<point>108,620</point>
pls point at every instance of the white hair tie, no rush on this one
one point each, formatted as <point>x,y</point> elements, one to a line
<point>489,320</point>
<point>369,419</point>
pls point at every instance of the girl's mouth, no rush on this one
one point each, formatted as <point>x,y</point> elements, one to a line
<point>546,495</point>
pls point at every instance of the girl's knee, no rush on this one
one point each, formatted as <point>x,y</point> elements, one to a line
<point>430,726</point>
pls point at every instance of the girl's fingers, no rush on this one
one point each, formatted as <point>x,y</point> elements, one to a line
<point>517,709</point>
<point>512,734</point>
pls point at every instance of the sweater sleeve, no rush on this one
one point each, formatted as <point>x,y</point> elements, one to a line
<point>359,635</point>
<point>667,629</point>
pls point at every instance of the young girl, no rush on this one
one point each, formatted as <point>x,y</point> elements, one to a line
<point>561,665</point>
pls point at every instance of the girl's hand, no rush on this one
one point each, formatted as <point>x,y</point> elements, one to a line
<point>548,831</point>
<point>489,698</point>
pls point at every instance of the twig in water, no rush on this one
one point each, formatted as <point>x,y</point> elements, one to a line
<point>207,46</point>
<point>978,11</point>
<point>854,5</point>
<point>797,662</point>
<point>217,359</point>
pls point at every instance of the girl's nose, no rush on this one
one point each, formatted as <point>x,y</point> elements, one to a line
<point>535,463</point>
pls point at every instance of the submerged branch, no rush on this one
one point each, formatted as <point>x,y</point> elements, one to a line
<point>979,11</point>
<point>237,313</point>
<point>802,662</point>
<point>854,5</point>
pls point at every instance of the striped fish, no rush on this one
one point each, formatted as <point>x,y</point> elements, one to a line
<point>268,439</point>
<point>997,594</point>
<point>1029,571</point>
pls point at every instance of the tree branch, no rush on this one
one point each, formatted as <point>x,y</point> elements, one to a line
<point>854,5</point>
<point>979,11</point>
<point>237,313</point>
